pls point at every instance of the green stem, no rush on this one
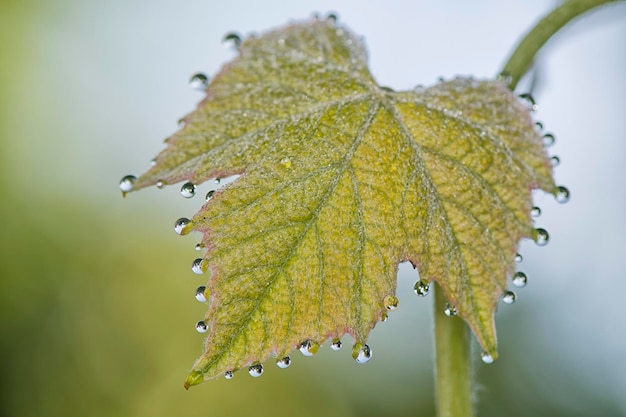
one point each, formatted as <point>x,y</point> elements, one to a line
<point>524,54</point>
<point>453,371</point>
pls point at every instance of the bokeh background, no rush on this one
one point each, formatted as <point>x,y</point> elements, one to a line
<point>96,295</point>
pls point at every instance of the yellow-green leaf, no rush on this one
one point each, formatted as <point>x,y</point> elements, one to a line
<point>340,181</point>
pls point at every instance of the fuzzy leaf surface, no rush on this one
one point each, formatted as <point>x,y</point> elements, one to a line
<point>340,181</point>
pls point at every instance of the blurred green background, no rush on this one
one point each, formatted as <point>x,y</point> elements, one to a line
<point>96,295</point>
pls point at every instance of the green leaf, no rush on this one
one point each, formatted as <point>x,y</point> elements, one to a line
<point>341,180</point>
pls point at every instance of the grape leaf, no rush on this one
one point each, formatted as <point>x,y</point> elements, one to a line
<point>340,181</point>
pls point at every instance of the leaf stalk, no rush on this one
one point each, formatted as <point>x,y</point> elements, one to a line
<point>453,393</point>
<point>524,53</point>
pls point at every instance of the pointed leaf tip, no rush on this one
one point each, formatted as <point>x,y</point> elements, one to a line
<point>341,180</point>
<point>194,378</point>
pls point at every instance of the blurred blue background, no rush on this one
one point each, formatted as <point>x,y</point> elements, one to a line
<point>96,297</point>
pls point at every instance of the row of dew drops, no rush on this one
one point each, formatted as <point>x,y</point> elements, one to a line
<point>362,353</point>
<point>199,81</point>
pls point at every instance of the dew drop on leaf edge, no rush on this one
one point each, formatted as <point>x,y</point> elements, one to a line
<point>309,347</point>
<point>332,17</point>
<point>530,101</point>
<point>555,161</point>
<point>127,183</point>
<point>284,363</point>
<point>449,310</point>
<point>201,327</point>
<point>361,353</point>
<point>201,294</point>
<point>391,302</point>
<point>535,211</point>
<point>509,297</point>
<point>561,194</point>
<point>209,195</point>
<point>518,258</point>
<point>336,345</point>
<point>228,375</point>
<point>188,190</point>
<point>541,236</point>
<point>548,139</point>
<point>182,226</point>
<point>199,81</point>
<point>486,358</point>
<point>199,266</point>
<point>256,370</point>
<point>232,38</point>
<point>421,288</point>
<point>160,184</point>
<point>519,279</point>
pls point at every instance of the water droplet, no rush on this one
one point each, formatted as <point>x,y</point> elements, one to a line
<point>539,126</point>
<point>332,17</point>
<point>160,184</point>
<point>127,183</point>
<point>391,302</point>
<point>361,353</point>
<point>284,362</point>
<point>201,294</point>
<point>505,77</point>
<point>232,38</point>
<point>286,162</point>
<point>218,180</point>
<point>309,347</point>
<point>561,195</point>
<point>228,375</point>
<point>535,211</point>
<point>548,139</point>
<point>384,317</point>
<point>486,358</point>
<point>182,226</point>
<point>509,297</point>
<point>530,101</point>
<point>518,258</point>
<point>520,279</point>
<point>336,345</point>
<point>541,236</point>
<point>201,327</point>
<point>153,162</point>
<point>421,288</point>
<point>449,310</point>
<point>199,266</point>
<point>419,88</point>
<point>199,246</point>
<point>188,190</point>
<point>181,122</point>
<point>209,195</point>
<point>199,81</point>
<point>256,370</point>
<point>555,161</point>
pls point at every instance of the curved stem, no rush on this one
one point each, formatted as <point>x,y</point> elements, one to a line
<point>453,372</point>
<point>524,54</point>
